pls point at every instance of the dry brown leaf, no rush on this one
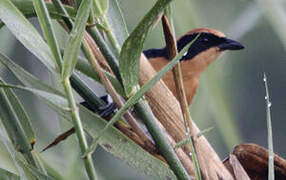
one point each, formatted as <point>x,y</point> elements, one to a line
<point>254,160</point>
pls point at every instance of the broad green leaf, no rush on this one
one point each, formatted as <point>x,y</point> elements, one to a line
<point>6,175</point>
<point>100,7</point>
<point>26,33</point>
<point>129,59</point>
<point>22,115</point>
<point>73,47</point>
<point>116,22</point>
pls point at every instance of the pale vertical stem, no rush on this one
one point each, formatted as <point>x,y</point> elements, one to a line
<point>79,129</point>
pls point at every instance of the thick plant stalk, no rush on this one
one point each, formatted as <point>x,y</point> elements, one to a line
<point>167,110</point>
<point>145,113</point>
<point>79,130</point>
<point>109,56</point>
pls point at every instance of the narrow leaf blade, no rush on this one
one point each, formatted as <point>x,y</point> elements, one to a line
<point>72,51</point>
<point>13,128</point>
<point>24,119</point>
<point>48,31</point>
<point>271,175</point>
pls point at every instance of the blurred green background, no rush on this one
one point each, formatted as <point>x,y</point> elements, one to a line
<point>230,96</point>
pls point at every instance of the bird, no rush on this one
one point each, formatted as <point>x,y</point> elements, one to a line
<point>206,48</point>
<point>209,45</point>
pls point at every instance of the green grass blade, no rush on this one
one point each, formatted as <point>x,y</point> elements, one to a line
<point>24,31</point>
<point>47,28</point>
<point>129,59</point>
<point>195,161</point>
<point>24,119</point>
<point>73,47</point>
<point>182,143</point>
<point>13,128</point>
<point>204,131</point>
<point>269,132</point>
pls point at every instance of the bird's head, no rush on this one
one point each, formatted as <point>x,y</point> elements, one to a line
<point>204,50</point>
<point>207,47</point>
<point>210,42</point>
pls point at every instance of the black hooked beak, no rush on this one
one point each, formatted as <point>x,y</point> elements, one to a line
<point>230,44</point>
